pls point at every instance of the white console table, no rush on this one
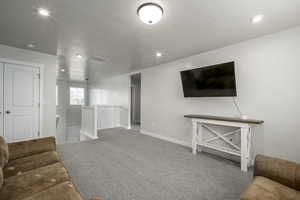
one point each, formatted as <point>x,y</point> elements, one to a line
<point>243,127</point>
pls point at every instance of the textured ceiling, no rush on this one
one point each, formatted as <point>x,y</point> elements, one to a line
<point>109,30</point>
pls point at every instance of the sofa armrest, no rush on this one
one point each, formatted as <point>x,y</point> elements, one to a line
<point>285,172</point>
<point>31,147</point>
<point>257,190</point>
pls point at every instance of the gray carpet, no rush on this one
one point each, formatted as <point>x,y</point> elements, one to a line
<point>125,165</point>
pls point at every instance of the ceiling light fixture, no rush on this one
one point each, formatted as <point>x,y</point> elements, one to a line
<point>31,46</point>
<point>78,56</point>
<point>257,18</point>
<point>158,54</point>
<point>44,12</point>
<point>62,70</point>
<point>150,13</point>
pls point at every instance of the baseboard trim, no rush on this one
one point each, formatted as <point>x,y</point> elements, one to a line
<point>126,127</point>
<point>165,138</point>
<point>88,135</point>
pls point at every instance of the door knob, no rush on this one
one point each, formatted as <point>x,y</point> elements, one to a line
<point>7,112</point>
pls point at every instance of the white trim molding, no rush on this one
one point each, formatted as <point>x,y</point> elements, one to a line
<point>165,138</point>
<point>85,134</point>
<point>18,62</point>
<point>126,127</point>
<point>118,126</point>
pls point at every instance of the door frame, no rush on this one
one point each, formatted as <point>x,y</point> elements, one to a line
<point>129,98</point>
<point>41,89</point>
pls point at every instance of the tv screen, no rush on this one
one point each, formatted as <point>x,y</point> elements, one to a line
<point>211,81</point>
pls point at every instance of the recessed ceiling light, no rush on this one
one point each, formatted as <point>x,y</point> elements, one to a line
<point>257,18</point>
<point>158,54</point>
<point>44,12</point>
<point>31,46</point>
<point>150,13</point>
<point>62,70</point>
<point>78,56</point>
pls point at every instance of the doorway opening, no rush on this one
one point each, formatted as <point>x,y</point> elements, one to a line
<point>135,102</point>
<point>71,96</point>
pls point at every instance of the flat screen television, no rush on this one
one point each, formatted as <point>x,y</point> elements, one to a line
<point>211,81</point>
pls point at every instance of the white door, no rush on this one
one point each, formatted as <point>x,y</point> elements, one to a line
<point>21,102</point>
<point>1,99</point>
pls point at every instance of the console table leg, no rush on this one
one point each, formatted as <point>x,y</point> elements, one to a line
<point>244,149</point>
<point>194,139</point>
<point>199,136</point>
<point>250,159</point>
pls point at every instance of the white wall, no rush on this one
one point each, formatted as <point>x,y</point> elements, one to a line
<point>267,71</point>
<point>49,61</point>
<point>114,91</point>
<point>61,110</point>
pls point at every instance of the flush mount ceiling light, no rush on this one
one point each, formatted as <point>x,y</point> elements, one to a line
<point>150,13</point>
<point>257,18</point>
<point>62,70</point>
<point>31,46</point>
<point>43,12</point>
<point>158,54</point>
<point>78,56</point>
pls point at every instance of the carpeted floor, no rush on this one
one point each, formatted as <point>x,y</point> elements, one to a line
<point>126,165</point>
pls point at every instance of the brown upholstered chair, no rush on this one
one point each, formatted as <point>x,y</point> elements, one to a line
<point>274,179</point>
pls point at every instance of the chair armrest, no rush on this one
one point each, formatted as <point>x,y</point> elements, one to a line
<point>282,171</point>
<point>31,147</point>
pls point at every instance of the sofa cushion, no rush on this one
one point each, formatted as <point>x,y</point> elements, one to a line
<point>32,182</point>
<point>30,162</point>
<point>31,147</point>
<point>1,178</point>
<point>62,191</point>
<point>3,152</point>
<point>265,189</point>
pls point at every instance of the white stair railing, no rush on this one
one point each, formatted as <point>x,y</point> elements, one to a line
<point>89,120</point>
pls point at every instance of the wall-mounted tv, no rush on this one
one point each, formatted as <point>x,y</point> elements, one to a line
<point>211,81</point>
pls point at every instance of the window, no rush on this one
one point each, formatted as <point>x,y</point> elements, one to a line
<point>76,96</point>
